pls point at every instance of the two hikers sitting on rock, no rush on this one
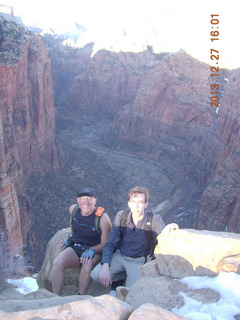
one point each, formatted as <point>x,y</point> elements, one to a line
<point>108,257</point>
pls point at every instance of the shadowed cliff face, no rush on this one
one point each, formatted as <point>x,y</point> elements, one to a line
<point>220,203</point>
<point>27,124</point>
<point>122,119</point>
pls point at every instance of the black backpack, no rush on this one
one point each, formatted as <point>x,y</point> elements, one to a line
<point>148,229</point>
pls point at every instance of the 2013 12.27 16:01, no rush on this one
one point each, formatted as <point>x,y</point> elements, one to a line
<point>214,56</point>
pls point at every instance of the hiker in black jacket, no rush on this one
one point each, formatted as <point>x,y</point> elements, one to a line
<point>90,228</point>
<point>129,245</point>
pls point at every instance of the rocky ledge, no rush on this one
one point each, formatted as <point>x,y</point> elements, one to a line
<point>181,254</point>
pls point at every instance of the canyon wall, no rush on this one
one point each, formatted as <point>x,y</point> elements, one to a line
<point>160,108</point>
<point>220,203</point>
<point>27,124</point>
<point>108,82</point>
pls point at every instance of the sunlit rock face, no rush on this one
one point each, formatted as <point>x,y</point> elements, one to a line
<point>27,124</point>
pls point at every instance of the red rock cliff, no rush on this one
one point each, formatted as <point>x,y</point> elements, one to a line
<point>108,82</point>
<point>220,203</point>
<point>27,124</point>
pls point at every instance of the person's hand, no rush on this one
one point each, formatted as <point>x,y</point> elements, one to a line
<point>67,242</point>
<point>64,244</point>
<point>87,255</point>
<point>170,228</point>
<point>105,276</point>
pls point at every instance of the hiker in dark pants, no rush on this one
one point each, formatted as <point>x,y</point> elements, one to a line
<point>90,228</point>
<point>131,240</point>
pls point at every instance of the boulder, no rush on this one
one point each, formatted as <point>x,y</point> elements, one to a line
<point>165,292</point>
<point>11,302</point>
<point>152,312</point>
<point>230,264</point>
<point>189,252</point>
<point>94,308</point>
<point>70,286</point>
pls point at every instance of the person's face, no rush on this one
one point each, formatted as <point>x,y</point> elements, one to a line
<point>137,203</point>
<point>86,204</point>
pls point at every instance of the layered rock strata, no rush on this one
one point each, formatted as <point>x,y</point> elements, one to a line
<point>220,203</point>
<point>27,124</point>
<point>108,82</point>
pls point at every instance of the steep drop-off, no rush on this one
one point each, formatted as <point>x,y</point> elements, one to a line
<point>27,125</point>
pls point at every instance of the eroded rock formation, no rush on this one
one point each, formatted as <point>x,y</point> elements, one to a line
<point>108,82</point>
<point>27,124</point>
<point>220,203</point>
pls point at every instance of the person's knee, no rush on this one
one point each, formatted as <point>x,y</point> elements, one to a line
<point>58,264</point>
<point>86,268</point>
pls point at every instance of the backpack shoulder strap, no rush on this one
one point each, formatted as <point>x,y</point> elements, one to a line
<point>98,214</point>
<point>99,211</point>
<point>148,225</point>
<point>148,231</point>
<point>74,211</point>
<point>124,218</point>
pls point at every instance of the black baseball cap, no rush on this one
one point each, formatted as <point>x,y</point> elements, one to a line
<point>87,192</point>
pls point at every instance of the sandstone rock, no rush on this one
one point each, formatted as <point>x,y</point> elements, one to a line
<point>122,292</point>
<point>164,100</point>
<point>7,291</point>
<point>150,269</point>
<point>155,291</point>
<point>27,126</point>
<point>230,264</point>
<point>192,252</point>
<point>99,308</point>
<point>152,312</point>
<point>40,299</point>
<point>71,274</point>
<point>165,292</point>
<point>10,216</point>
<point>108,80</point>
